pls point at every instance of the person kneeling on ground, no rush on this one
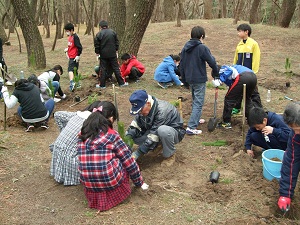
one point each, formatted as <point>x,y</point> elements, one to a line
<point>267,130</point>
<point>131,67</point>
<point>105,162</point>
<point>44,89</point>
<point>234,77</point>
<point>165,73</point>
<point>32,107</point>
<point>291,159</point>
<point>155,121</point>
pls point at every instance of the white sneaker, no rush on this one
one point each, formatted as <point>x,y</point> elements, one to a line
<point>64,96</point>
<point>193,131</point>
<point>57,100</point>
<point>8,83</point>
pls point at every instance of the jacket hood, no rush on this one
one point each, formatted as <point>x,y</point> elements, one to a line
<point>25,86</point>
<point>169,60</point>
<point>132,57</point>
<point>191,44</point>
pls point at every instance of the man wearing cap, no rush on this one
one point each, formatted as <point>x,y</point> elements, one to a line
<point>156,121</point>
<point>106,45</point>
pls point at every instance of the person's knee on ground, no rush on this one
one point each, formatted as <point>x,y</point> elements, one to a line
<point>166,138</point>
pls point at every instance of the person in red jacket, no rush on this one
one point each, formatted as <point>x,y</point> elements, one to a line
<point>131,67</point>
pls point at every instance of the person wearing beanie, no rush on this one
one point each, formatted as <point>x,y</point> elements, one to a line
<point>156,122</point>
<point>106,45</point>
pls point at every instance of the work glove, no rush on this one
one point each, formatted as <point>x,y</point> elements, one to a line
<point>66,50</point>
<point>77,58</point>
<point>133,132</point>
<point>4,89</point>
<point>216,82</point>
<point>145,186</point>
<point>1,65</point>
<point>284,203</point>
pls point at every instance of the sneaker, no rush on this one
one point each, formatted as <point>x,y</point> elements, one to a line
<point>235,111</point>
<point>137,80</point>
<point>30,127</point>
<point>224,125</point>
<point>193,131</point>
<point>72,85</point>
<point>162,85</point>
<point>78,85</point>
<point>169,84</point>
<point>98,86</point>
<point>63,97</point>
<point>44,125</point>
<point>137,154</point>
<point>124,85</point>
<point>56,100</point>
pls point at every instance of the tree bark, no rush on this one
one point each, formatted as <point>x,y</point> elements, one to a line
<point>253,12</point>
<point>238,11</point>
<point>89,18</point>
<point>157,15</point>
<point>34,44</point>
<point>139,14</point>
<point>286,12</point>
<point>208,5</point>
<point>274,12</point>
<point>117,16</point>
<point>179,13</point>
<point>169,10</point>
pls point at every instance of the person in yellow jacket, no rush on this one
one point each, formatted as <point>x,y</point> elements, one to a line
<point>247,54</point>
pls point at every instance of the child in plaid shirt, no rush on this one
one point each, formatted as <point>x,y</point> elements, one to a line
<point>105,162</point>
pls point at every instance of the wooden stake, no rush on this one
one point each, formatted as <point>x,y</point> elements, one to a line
<point>180,107</point>
<point>244,112</point>
<point>115,101</point>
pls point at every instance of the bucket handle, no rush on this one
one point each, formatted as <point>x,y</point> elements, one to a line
<point>278,177</point>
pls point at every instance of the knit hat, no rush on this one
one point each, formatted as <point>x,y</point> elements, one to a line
<point>138,99</point>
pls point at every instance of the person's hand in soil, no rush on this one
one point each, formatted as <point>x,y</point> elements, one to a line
<point>284,203</point>
<point>267,130</point>
<point>250,153</point>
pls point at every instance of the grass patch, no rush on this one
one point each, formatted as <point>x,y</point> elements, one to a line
<point>226,181</point>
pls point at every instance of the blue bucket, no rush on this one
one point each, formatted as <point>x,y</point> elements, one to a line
<point>271,169</point>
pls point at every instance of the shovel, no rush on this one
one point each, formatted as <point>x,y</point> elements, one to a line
<point>10,77</point>
<point>212,123</point>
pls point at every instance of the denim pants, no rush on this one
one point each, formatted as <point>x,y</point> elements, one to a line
<point>49,104</point>
<point>198,95</point>
<point>257,138</point>
<point>55,85</point>
<point>168,136</point>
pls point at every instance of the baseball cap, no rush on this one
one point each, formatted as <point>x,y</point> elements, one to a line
<point>138,99</point>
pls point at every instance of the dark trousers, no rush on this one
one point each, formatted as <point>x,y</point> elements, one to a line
<point>4,68</point>
<point>257,138</point>
<point>104,65</point>
<point>234,94</point>
<point>135,74</point>
<point>255,97</point>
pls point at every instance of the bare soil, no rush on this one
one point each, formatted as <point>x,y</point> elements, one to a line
<point>180,194</point>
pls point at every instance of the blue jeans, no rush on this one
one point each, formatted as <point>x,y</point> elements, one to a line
<point>55,85</point>
<point>49,104</point>
<point>198,95</point>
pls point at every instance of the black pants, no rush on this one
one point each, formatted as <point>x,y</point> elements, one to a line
<point>255,99</point>
<point>104,65</point>
<point>4,67</point>
<point>234,94</point>
<point>135,74</point>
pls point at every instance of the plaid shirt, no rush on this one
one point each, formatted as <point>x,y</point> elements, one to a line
<point>102,160</point>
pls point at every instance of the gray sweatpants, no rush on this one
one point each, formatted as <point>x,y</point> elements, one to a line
<point>168,137</point>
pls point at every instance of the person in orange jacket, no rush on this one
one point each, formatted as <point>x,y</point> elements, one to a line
<point>131,67</point>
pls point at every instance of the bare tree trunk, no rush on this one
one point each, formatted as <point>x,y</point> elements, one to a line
<point>56,22</point>
<point>238,12</point>
<point>139,16</point>
<point>274,12</point>
<point>90,23</point>
<point>38,13</point>
<point>59,21</point>
<point>298,16</point>
<point>169,10</point>
<point>45,19</point>
<point>253,12</point>
<point>224,8</point>
<point>179,13</point>
<point>208,5</point>
<point>286,13</point>
<point>3,35</point>
<point>117,16</point>
<point>76,16</point>
<point>34,44</point>
<point>157,15</point>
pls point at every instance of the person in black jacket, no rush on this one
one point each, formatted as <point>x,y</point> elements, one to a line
<point>291,159</point>
<point>106,45</point>
<point>194,56</point>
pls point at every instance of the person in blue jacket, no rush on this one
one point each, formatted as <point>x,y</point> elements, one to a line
<point>234,77</point>
<point>291,159</point>
<point>194,57</point>
<point>267,130</point>
<point>165,73</point>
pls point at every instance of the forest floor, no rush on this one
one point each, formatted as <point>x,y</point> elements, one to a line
<point>181,194</point>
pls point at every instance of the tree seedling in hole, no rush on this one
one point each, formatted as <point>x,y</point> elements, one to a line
<point>288,72</point>
<point>92,98</point>
<point>51,88</point>
<point>127,139</point>
<point>77,77</point>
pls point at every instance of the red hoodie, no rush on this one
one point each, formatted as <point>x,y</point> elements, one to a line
<point>133,62</point>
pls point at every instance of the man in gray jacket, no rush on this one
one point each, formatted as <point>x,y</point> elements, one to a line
<point>156,121</point>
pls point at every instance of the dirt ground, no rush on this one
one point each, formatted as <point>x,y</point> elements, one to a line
<point>181,194</point>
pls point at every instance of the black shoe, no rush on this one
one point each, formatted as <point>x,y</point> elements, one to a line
<point>44,125</point>
<point>30,127</point>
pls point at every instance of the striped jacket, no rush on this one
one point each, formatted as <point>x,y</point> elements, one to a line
<point>102,162</point>
<point>290,166</point>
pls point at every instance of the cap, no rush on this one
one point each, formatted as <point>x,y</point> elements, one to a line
<point>138,99</point>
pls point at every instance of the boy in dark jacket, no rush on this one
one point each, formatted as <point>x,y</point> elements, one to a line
<point>194,56</point>
<point>267,130</point>
<point>291,159</point>
<point>106,45</point>
<point>131,67</point>
<point>73,53</point>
